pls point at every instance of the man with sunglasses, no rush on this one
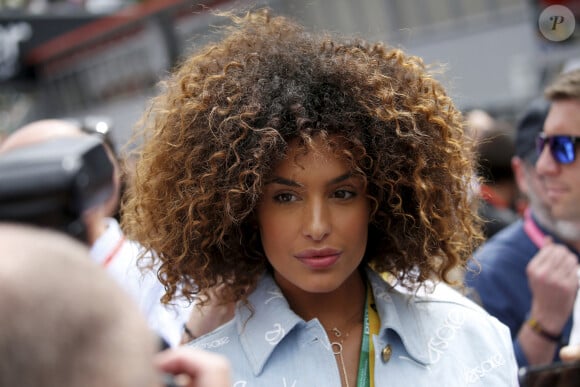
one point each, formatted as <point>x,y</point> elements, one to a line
<point>526,274</point>
<point>557,147</point>
<point>558,168</point>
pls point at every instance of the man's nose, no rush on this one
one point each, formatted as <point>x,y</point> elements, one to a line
<point>546,164</point>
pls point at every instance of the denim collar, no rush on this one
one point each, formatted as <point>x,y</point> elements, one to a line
<point>267,319</point>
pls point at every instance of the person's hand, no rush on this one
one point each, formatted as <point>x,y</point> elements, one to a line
<point>570,353</point>
<point>553,280</point>
<point>195,367</point>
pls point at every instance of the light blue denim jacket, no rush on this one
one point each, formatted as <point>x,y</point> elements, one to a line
<point>438,339</point>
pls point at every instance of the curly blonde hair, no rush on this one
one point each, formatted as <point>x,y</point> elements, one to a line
<point>225,118</point>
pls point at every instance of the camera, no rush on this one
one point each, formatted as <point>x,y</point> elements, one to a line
<point>51,184</point>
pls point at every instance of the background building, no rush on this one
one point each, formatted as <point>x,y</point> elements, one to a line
<point>81,58</point>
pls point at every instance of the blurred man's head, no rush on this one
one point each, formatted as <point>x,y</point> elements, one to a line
<point>528,127</point>
<point>65,322</point>
<point>495,149</point>
<point>478,123</point>
<point>39,131</point>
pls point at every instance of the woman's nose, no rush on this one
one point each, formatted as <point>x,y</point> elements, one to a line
<point>317,223</point>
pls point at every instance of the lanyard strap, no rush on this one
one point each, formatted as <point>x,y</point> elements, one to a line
<point>532,230</point>
<point>114,252</point>
<point>363,364</point>
<point>371,325</point>
<point>375,326</point>
<point>490,196</point>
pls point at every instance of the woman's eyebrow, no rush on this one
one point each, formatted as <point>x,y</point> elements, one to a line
<point>283,181</point>
<point>292,183</point>
<point>340,178</point>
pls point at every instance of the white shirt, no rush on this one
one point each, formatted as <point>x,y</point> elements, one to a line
<point>119,257</point>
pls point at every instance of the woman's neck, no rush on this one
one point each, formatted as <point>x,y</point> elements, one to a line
<point>334,308</point>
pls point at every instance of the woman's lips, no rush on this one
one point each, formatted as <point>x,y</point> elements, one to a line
<point>319,259</point>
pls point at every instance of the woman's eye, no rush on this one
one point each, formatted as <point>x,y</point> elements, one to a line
<point>344,194</point>
<point>285,198</point>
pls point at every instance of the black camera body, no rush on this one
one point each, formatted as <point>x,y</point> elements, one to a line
<point>51,184</point>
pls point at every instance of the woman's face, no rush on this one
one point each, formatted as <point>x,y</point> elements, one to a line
<point>313,219</point>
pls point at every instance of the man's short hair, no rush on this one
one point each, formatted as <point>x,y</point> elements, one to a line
<point>565,86</point>
<point>65,322</point>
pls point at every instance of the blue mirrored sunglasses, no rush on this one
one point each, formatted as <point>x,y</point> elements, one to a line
<point>562,148</point>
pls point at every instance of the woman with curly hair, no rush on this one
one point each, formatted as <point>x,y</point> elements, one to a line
<point>290,169</point>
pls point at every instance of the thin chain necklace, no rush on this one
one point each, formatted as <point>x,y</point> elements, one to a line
<point>339,339</point>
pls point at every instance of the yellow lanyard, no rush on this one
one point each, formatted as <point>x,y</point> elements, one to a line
<point>371,326</point>
<point>374,326</point>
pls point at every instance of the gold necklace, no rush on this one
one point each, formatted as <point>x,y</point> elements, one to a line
<point>337,350</point>
<point>337,345</point>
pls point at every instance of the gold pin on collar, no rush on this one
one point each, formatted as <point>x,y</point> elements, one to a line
<point>386,353</point>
